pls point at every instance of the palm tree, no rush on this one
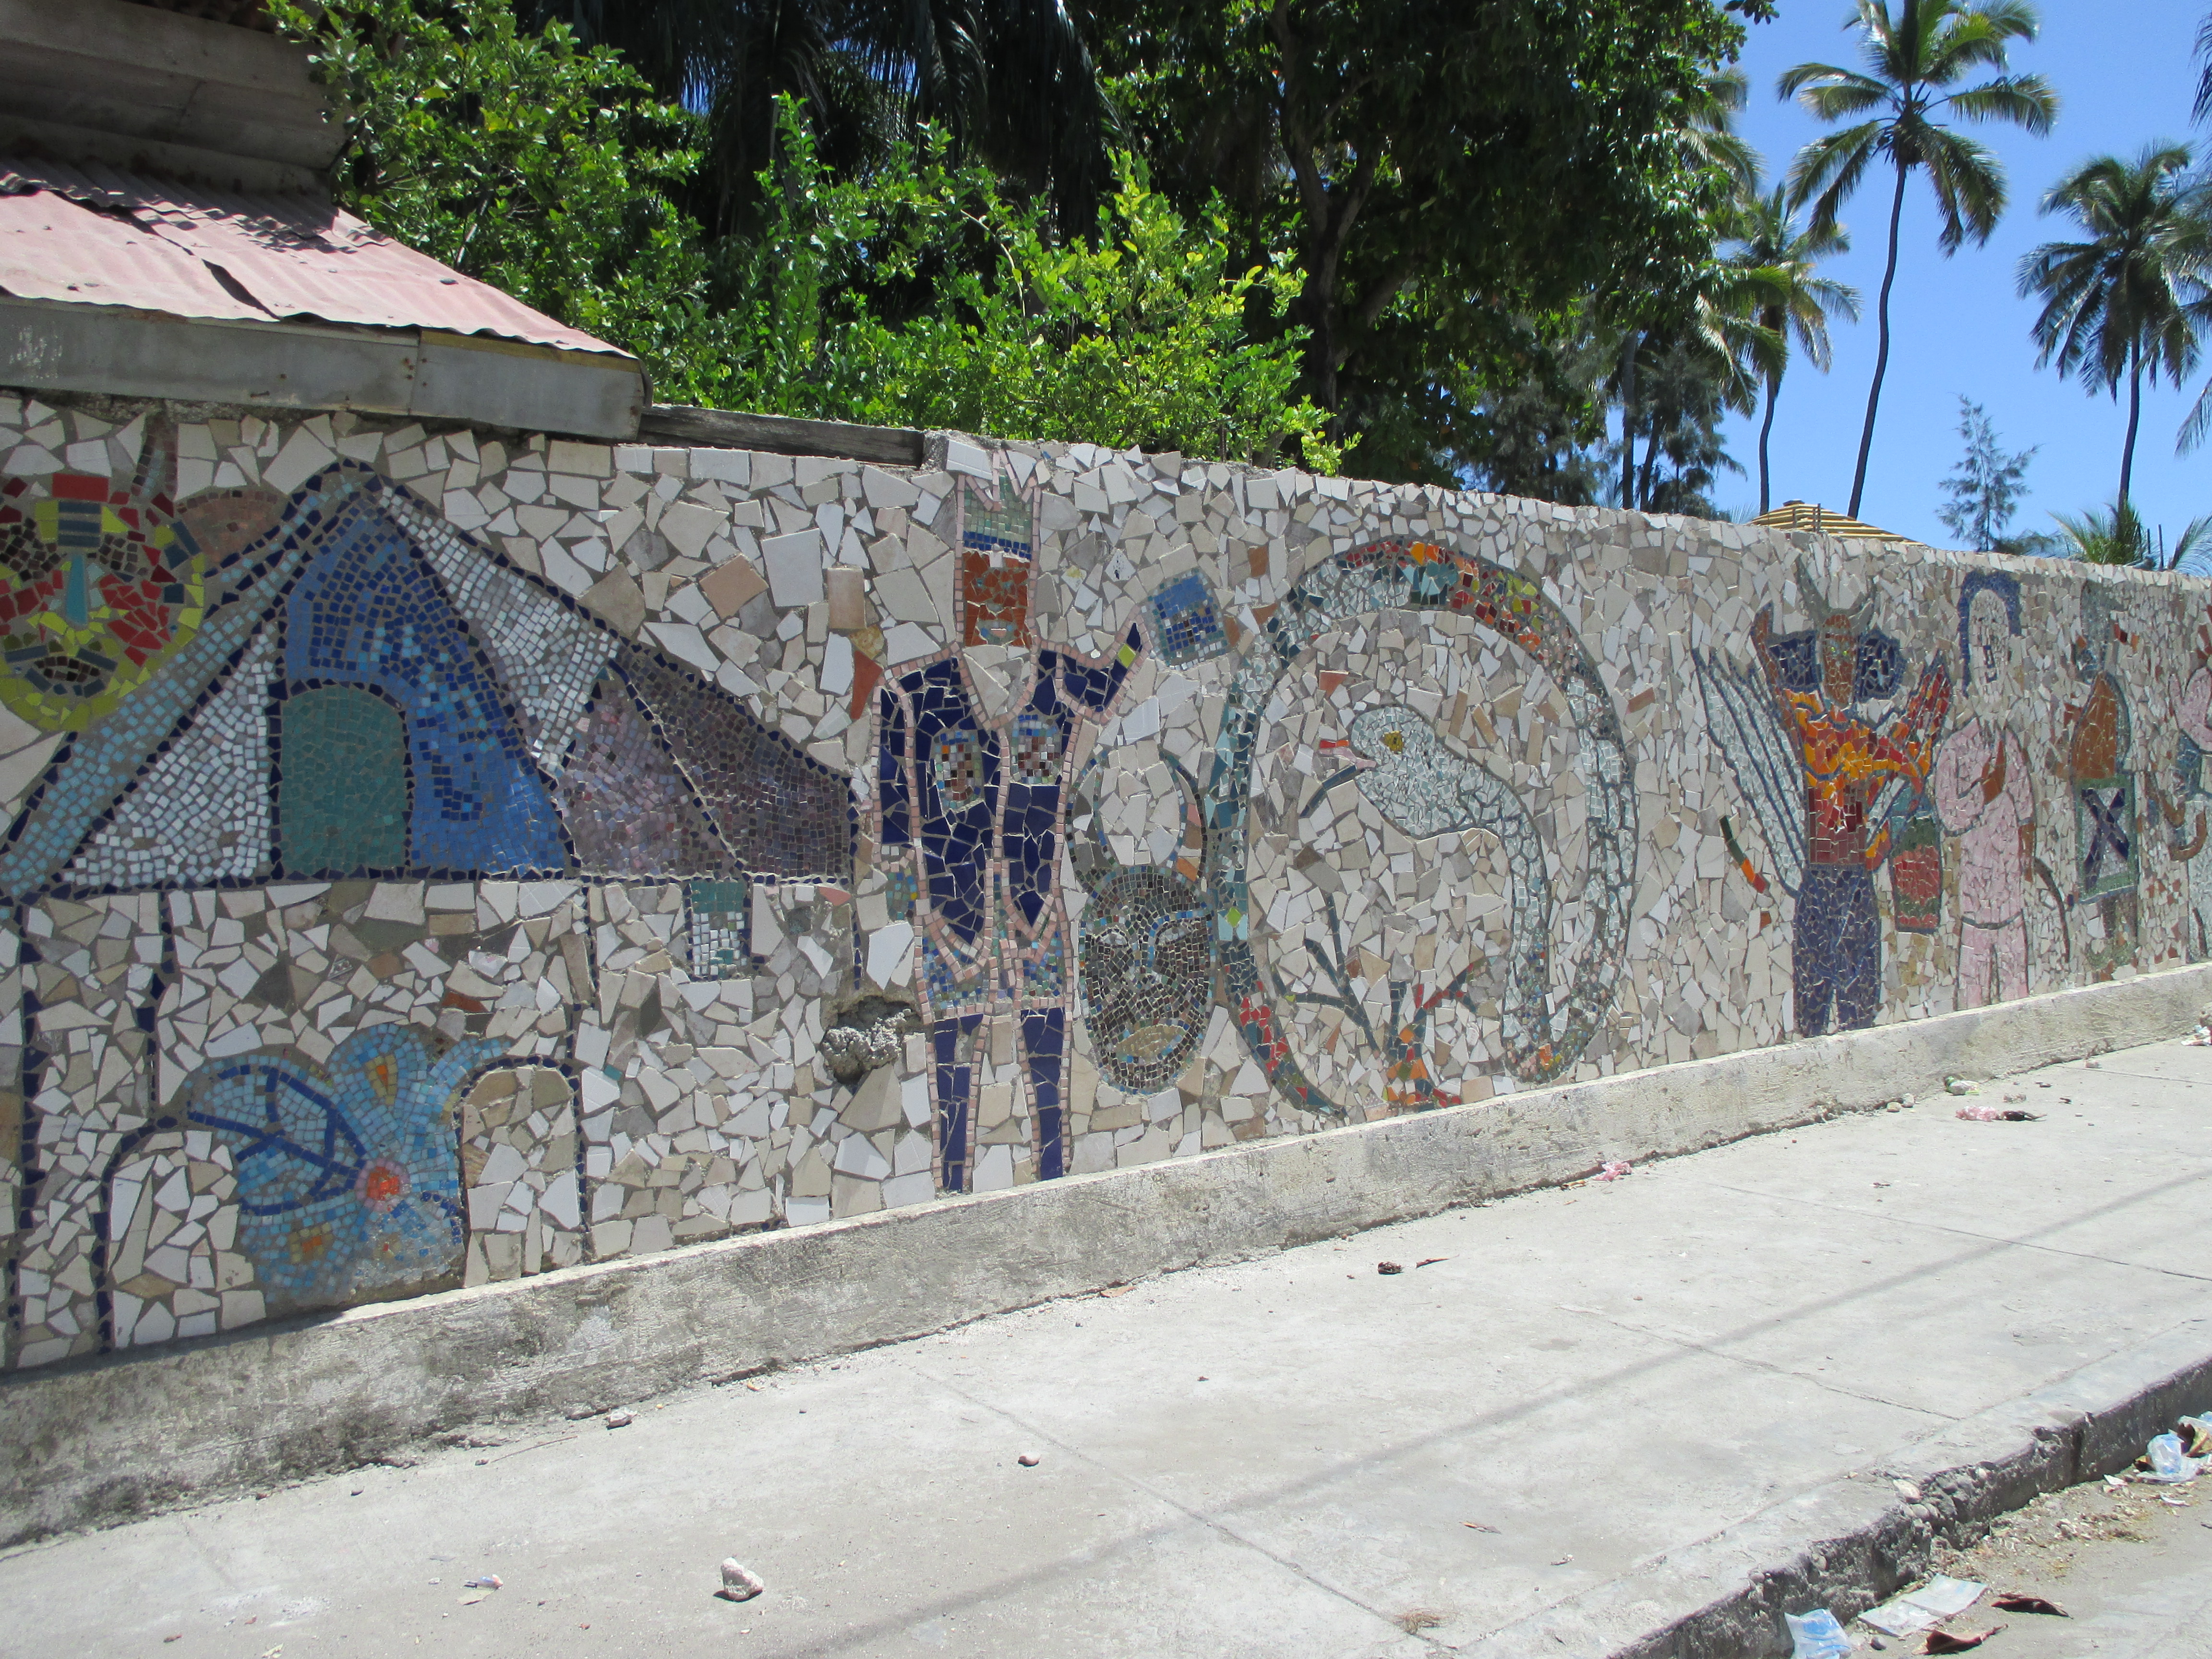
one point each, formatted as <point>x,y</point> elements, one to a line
<point>2116,535</point>
<point>1771,241</point>
<point>2102,535</point>
<point>1910,59</point>
<point>2116,306</point>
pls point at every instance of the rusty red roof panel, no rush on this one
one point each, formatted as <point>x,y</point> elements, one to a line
<point>97,235</point>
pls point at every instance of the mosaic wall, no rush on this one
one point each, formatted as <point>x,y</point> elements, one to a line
<point>437,858</point>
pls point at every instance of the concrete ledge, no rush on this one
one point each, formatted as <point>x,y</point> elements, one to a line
<point>1869,1540</point>
<point>102,1440</point>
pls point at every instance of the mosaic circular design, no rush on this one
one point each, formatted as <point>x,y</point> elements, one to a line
<point>98,588</point>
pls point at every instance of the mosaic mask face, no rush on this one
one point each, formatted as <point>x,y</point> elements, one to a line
<point>1147,962</point>
<point>1838,660</point>
<point>98,588</point>
<point>994,598</point>
<point>1990,641</point>
<point>1037,743</point>
<point>956,765</point>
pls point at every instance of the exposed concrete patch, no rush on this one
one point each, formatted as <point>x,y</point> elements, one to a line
<point>105,1440</point>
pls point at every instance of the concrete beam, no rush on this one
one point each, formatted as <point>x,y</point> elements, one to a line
<point>50,347</point>
<point>101,1439</point>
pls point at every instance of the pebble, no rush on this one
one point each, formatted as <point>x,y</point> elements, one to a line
<point>621,1419</point>
<point>739,1582</point>
<point>1027,1459</point>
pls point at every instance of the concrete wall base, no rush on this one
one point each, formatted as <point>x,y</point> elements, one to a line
<point>103,1440</point>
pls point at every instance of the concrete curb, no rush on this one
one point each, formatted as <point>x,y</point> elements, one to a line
<point>102,1440</point>
<point>1870,1541</point>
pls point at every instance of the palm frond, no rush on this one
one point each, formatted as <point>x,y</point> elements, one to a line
<point>1829,169</point>
<point>2026,100</point>
<point>1969,184</point>
<point>2196,423</point>
<point>2196,538</point>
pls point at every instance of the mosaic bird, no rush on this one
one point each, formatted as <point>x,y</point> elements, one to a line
<point>1426,790</point>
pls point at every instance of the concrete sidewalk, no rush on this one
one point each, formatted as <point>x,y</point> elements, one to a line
<point>1652,1395</point>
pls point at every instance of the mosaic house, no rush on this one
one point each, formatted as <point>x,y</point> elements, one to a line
<point>442,856</point>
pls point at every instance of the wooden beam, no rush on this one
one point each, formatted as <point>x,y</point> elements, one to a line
<point>779,434</point>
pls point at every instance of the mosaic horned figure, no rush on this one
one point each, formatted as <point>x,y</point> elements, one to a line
<point>1148,952</point>
<point>1837,793</point>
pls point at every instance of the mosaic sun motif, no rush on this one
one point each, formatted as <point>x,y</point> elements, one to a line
<point>99,586</point>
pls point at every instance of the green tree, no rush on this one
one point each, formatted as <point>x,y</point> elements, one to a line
<point>536,164</point>
<point>2104,535</point>
<point>1686,386</point>
<point>1771,239</point>
<point>2115,305</point>
<point>1912,59</point>
<point>1540,422</point>
<point>1717,331</point>
<point>1138,339</point>
<point>1984,490</point>
<point>1445,175</point>
<point>1012,81</point>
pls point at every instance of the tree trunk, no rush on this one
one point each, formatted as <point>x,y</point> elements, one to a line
<point>1882,355</point>
<point>1633,348</point>
<point>2134,419</point>
<point>1773,391</point>
<point>1650,465</point>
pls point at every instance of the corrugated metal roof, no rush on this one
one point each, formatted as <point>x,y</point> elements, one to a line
<point>99,236</point>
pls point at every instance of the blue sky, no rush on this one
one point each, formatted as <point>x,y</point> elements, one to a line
<point>2125,73</point>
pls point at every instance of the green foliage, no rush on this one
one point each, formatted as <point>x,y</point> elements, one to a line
<point>2105,535</point>
<point>1447,177</point>
<point>917,294</point>
<point>528,162</point>
<point>2117,535</point>
<point>1779,254</point>
<point>1140,340</point>
<point>1984,490</point>
<point>1539,425</point>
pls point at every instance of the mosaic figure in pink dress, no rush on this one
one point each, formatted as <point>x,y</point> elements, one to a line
<point>1982,796</point>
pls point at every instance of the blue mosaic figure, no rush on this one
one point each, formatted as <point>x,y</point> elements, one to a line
<point>973,752</point>
<point>348,1175</point>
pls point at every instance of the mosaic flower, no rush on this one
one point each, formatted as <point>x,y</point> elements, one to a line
<point>348,1175</point>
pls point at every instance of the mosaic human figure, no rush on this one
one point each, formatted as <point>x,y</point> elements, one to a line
<point>2098,735</point>
<point>974,748</point>
<point>1982,796</point>
<point>2193,716</point>
<point>1854,773</point>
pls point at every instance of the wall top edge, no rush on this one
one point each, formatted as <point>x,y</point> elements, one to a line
<point>666,427</point>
